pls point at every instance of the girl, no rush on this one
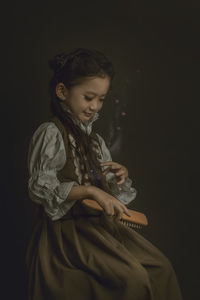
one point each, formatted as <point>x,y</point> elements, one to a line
<point>76,252</point>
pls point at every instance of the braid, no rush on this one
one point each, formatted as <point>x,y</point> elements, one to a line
<point>71,69</point>
<point>85,147</point>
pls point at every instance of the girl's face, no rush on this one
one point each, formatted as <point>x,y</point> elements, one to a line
<point>87,98</point>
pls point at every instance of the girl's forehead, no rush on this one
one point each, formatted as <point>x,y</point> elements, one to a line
<point>95,84</point>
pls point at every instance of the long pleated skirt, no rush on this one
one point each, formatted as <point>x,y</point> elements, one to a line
<point>89,256</point>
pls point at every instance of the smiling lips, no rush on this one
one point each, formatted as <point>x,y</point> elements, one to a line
<point>88,114</point>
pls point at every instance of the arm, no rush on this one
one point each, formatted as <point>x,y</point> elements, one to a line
<point>79,192</point>
<point>46,156</point>
<point>124,192</point>
<point>109,203</point>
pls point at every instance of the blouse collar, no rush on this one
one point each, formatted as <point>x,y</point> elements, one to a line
<point>86,127</point>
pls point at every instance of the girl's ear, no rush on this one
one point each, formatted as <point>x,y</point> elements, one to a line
<point>61,91</point>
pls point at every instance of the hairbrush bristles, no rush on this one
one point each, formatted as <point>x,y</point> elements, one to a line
<point>130,224</point>
<point>136,219</point>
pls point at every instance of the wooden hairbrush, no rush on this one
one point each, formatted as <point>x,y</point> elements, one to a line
<point>136,220</point>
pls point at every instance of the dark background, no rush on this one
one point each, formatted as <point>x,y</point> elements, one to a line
<point>155,51</point>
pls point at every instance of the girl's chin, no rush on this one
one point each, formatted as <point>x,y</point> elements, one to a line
<point>85,118</point>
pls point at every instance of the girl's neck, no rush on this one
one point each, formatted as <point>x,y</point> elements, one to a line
<point>86,127</point>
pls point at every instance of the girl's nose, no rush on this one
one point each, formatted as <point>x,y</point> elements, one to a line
<point>94,105</point>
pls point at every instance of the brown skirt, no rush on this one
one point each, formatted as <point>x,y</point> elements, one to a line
<point>91,256</point>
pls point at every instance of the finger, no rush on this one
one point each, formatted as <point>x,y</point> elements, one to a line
<point>116,167</point>
<point>106,171</point>
<point>111,169</point>
<point>118,216</point>
<point>118,213</point>
<point>107,163</point>
<point>109,212</point>
<point>109,209</point>
<point>126,212</point>
<point>112,164</point>
<point>120,173</point>
<point>121,181</point>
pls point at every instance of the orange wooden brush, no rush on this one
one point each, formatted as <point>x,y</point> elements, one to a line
<point>136,220</point>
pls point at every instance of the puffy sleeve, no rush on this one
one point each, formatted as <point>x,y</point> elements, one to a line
<point>46,156</point>
<point>124,192</point>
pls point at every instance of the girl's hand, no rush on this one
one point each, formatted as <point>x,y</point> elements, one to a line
<point>120,171</point>
<point>111,205</point>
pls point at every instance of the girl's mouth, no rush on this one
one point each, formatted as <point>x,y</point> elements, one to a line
<point>88,114</point>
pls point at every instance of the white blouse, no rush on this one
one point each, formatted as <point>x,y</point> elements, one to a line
<point>46,156</point>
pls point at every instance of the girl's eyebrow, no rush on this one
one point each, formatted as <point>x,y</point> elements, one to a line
<point>90,92</point>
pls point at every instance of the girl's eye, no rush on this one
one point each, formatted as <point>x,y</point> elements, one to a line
<point>88,98</point>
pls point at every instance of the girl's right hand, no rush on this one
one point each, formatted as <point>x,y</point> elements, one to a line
<point>111,205</point>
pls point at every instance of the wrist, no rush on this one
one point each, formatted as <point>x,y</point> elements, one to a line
<point>91,191</point>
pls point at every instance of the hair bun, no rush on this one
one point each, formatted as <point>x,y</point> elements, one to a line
<point>57,62</point>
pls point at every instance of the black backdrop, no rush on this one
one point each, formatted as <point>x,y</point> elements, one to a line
<point>155,51</point>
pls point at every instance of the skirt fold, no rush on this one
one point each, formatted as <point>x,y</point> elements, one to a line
<point>96,258</point>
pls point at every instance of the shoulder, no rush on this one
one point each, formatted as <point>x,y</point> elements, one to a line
<point>104,148</point>
<point>46,148</point>
<point>45,132</point>
<point>101,141</point>
<point>47,129</point>
<point>46,141</point>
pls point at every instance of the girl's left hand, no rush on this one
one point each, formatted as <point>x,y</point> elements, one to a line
<point>120,171</point>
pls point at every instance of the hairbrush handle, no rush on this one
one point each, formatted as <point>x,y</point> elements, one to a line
<point>135,218</point>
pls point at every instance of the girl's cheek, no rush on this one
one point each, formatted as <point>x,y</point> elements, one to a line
<point>100,106</point>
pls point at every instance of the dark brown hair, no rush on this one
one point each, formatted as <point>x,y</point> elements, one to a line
<point>72,69</point>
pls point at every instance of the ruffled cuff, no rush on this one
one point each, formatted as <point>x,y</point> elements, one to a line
<point>52,194</point>
<point>123,192</point>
